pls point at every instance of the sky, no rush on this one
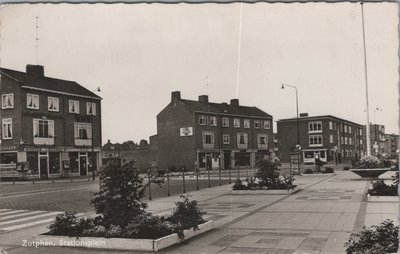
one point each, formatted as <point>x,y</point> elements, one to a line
<point>139,53</point>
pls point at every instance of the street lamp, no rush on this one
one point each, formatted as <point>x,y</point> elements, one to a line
<point>297,110</point>
<point>92,122</point>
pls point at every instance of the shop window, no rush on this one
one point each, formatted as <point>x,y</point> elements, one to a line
<point>73,107</point>
<point>91,108</point>
<point>315,126</point>
<point>73,162</point>
<point>225,122</point>
<point>8,158</point>
<point>246,123</point>
<point>236,122</point>
<point>53,104</point>
<point>54,163</point>
<point>7,128</point>
<point>7,101</point>
<point>33,162</point>
<point>32,101</point>
<point>242,159</point>
<point>267,125</point>
<point>213,121</point>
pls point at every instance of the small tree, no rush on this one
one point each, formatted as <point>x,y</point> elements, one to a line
<point>119,198</point>
<point>268,173</point>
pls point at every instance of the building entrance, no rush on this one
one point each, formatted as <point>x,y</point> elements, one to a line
<point>44,165</point>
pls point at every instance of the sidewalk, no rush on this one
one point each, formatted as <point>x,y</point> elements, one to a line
<point>318,219</point>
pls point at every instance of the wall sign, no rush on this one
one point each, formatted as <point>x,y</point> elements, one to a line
<point>187,131</point>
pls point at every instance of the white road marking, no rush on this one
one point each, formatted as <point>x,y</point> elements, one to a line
<point>19,215</point>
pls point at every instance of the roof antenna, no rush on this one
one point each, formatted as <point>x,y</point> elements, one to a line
<point>37,40</point>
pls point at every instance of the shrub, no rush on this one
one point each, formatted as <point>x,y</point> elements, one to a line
<point>113,231</point>
<point>369,162</point>
<point>65,224</point>
<point>95,231</point>
<point>187,214</point>
<point>329,170</point>
<point>346,168</point>
<point>308,171</point>
<point>379,188</point>
<point>119,198</point>
<point>238,185</point>
<point>374,240</point>
<point>148,226</point>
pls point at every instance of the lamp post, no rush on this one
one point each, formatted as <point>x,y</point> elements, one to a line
<point>92,122</point>
<point>297,110</point>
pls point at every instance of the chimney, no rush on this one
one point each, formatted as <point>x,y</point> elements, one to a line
<point>175,96</point>
<point>235,102</point>
<point>37,70</point>
<point>303,114</point>
<point>203,98</point>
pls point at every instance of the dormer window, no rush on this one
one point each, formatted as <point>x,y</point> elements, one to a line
<point>32,101</point>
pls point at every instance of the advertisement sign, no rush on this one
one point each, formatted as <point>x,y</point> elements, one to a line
<point>186,131</point>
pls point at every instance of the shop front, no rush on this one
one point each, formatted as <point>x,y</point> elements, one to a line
<point>310,156</point>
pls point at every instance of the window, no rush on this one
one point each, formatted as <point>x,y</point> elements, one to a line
<point>225,122</point>
<point>345,128</point>
<point>7,100</point>
<point>262,141</point>
<point>315,140</point>
<point>331,139</point>
<point>267,125</point>
<point>361,132</point>
<point>83,130</point>
<point>242,140</point>
<point>361,142</point>
<point>226,139</point>
<point>349,129</point>
<point>52,104</point>
<point>91,108</point>
<point>208,137</point>
<point>7,128</point>
<point>43,128</point>
<point>257,124</point>
<point>32,101</point>
<point>315,126</point>
<point>342,140</point>
<point>350,153</point>
<point>330,125</point>
<point>236,123</point>
<point>213,121</point>
<point>246,123</point>
<point>345,140</point>
<point>202,120</point>
<point>73,106</point>
<point>350,141</point>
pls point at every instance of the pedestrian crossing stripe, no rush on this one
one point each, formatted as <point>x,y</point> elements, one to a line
<point>18,219</point>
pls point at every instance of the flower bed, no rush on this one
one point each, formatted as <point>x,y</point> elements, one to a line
<point>266,191</point>
<point>370,167</point>
<point>121,243</point>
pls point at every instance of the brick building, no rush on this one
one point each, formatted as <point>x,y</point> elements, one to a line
<point>391,145</point>
<point>329,138</point>
<point>377,138</point>
<point>49,126</point>
<point>213,135</point>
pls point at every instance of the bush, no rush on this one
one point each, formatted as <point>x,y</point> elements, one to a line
<point>238,185</point>
<point>345,168</point>
<point>70,225</point>
<point>379,188</point>
<point>187,214</point>
<point>308,171</point>
<point>374,240</point>
<point>148,226</point>
<point>329,170</point>
<point>369,162</point>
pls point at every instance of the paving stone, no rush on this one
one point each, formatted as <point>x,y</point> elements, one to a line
<point>313,243</point>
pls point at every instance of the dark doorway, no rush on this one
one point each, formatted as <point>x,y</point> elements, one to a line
<point>82,165</point>
<point>43,167</point>
<point>227,160</point>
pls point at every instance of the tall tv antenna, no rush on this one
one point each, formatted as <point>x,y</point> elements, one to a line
<point>37,40</point>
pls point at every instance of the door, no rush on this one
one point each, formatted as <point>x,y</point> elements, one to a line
<point>227,160</point>
<point>208,161</point>
<point>83,165</point>
<point>43,166</point>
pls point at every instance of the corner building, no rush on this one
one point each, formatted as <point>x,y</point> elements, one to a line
<point>50,127</point>
<point>212,135</point>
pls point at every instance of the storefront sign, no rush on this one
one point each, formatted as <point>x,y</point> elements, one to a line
<point>187,131</point>
<point>7,148</point>
<point>8,170</point>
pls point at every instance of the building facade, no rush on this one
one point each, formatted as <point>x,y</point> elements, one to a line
<point>391,146</point>
<point>50,127</point>
<point>328,138</point>
<point>212,135</point>
<point>377,138</point>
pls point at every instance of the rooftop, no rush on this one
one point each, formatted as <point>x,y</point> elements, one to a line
<point>317,118</point>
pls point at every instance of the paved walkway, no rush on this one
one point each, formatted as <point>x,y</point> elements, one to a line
<point>318,219</point>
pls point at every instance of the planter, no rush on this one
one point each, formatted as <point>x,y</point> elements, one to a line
<point>119,243</point>
<point>369,172</point>
<point>265,192</point>
<point>383,198</point>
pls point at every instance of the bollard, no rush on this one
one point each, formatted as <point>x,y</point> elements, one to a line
<point>148,173</point>
<point>209,181</point>
<point>183,176</point>
<point>219,176</point>
<point>52,179</point>
<point>33,178</point>
<point>70,177</point>
<point>197,179</point>
<point>229,169</point>
<point>13,177</point>
<point>168,193</point>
